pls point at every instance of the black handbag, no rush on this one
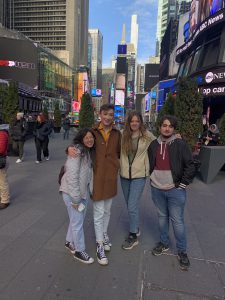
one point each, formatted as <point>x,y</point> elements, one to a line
<point>2,161</point>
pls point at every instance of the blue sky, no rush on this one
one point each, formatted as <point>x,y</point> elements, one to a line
<point>110,15</point>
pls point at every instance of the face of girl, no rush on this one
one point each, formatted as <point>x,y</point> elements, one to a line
<point>88,140</point>
<point>135,124</point>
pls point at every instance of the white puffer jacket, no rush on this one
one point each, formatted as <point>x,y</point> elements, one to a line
<point>77,179</point>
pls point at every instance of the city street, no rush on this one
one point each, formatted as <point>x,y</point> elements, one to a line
<point>35,265</point>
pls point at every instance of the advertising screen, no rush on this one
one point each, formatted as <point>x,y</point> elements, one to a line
<point>120,81</point>
<point>121,65</point>
<point>147,101</point>
<point>119,97</point>
<point>82,84</point>
<point>18,61</point>
<point>151,76</point>
<point>122,49</point>
<point>96,92</point>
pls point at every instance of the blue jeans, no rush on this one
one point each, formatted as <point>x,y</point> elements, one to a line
<point>75,233</point>
<point>66,134</point>
<point>132,191</point>
<point>170,206</point>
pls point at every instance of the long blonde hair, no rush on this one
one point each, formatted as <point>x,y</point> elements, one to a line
<point>127,132</point>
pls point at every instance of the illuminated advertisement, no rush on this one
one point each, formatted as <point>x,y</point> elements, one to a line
<point>147,101</point>
<point>120,81</point>
<point>75,106</point>
<point>82,84</point>
<point>119,113</point>
<point>122,49</point>
<point>19,61</point>
<point>96,92</point>
<point>203,15</point>
<point>119,97</point>
<point>112,94</point>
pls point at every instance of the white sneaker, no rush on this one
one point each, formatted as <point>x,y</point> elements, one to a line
<point>47,158</point>
<point>106,243</point>
<point>19,161</point>
<point>101,257</point>
<point>37,161</point>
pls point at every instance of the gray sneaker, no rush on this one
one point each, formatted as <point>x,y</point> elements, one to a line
<point>106,243</point>
<point>101,257</point>
<point>130,242</point>
<point>159,249</point>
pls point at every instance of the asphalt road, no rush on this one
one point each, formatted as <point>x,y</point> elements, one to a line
<point>35,265</point>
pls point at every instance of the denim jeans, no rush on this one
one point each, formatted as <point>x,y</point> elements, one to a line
<point>102,210</point>
<point>66,134</point>
<point>170,206</point>
<point>75,233</point>
<point>132,191</point>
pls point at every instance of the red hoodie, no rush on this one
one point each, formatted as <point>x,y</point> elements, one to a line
<point>4,139</point>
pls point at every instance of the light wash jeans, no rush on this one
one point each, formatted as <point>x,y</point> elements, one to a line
<point>132,191</point>
<point>102,210</point>
<point>4,186</point>
<point>170,206</point>
<point>75,233</point>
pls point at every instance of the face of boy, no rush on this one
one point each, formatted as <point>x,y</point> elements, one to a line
<point>166,129</point>
<point>107,117</point>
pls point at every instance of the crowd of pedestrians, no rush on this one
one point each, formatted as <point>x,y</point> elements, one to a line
<point>90,172</point>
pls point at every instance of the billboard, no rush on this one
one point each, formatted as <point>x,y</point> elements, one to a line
<point>121,65</point>
<point>120,81</point>
<point>83,84</point>
<point>19,61</point>
<point>96,92</point>
<point>151,76</point>
<point>147,101</point>
<point>122,49</point>
<point>119,97</point>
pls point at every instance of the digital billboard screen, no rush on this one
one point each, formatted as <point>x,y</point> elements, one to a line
<point>119,97</point>
<point>96,92</point>
<point>120,81</point>
<point>121,65</point>
<point>122,49</point>
<point>18,61</point>
<point>151,76</point>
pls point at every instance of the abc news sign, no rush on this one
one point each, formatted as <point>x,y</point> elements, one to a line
<point>213,90</point>
<point>214,76</point>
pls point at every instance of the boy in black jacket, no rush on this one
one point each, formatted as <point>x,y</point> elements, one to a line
<point>171,170</point>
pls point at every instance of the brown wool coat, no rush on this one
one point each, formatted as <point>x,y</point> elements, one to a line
<point>106,165</point>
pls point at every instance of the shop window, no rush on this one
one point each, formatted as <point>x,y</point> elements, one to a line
<point>180,72</point>
<point>210,53</point>
<point>195,61</point>
<point>187,66</point>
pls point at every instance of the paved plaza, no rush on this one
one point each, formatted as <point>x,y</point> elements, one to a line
<point>34,265</point>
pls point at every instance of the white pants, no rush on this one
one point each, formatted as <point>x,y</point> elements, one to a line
<point>102,211</point>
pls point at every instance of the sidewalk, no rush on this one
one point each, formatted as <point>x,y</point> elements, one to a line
<point>35,265</point>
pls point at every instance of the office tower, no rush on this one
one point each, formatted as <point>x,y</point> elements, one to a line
<point>59,25</point>
<point>140,78</point>
<point>96,58</point>
<point>134,32</point>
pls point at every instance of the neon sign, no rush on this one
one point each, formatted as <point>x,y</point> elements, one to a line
<point>17,64</point>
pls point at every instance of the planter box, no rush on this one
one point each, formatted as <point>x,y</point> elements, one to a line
<point>212,160</point>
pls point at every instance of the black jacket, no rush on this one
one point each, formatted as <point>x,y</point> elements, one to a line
<point>41,131</point>
<point>18,130</point>
<point>181,161</point>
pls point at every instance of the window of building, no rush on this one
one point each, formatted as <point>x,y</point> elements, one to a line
<point>195,61</point>
<point>210,53</point>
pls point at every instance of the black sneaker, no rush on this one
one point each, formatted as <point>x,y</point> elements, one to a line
<point>183,261</point>
<point>130,242</point>
<point>70,247</point>
<point>159,249</point>
<point>83,257</point>
<point>100,253</point>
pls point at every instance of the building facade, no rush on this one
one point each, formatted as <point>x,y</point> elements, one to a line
<point>59,25</point>
<point>96,58</point>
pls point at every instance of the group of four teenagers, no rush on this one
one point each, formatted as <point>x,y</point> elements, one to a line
<point>91,170</point>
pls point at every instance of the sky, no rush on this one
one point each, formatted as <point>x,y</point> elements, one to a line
<point>109,16</point>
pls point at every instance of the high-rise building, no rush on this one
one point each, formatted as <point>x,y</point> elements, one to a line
<point>59,25</point>
<point>96,58</point>
<point>134,32</point>
<point>168,9</point>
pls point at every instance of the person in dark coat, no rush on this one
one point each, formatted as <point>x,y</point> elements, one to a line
<point>41,133</point>
<point>211,136</point>
<point>66,127</point>
<point>18,132</point>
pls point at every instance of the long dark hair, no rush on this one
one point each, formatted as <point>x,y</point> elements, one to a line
<point>78,140</point>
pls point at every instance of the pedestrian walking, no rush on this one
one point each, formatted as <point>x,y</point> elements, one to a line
<point>171,170</point>
<point>4,186</point>
<point>66,127</point>
<point>211,136</point>
<point>106,169</point>
<point>41,133</point>
<point>134,169</point>
<point>18,132</point>
<point>76,186</point>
